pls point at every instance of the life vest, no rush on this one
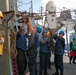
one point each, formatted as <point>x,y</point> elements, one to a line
<point>1,49</point>
<point>1,46</point>
<point>73,46</point>
<point>72,53</point>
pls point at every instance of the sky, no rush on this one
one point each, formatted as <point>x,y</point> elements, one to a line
<point>69,4</point>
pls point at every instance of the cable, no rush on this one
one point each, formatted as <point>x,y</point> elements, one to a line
<point>59,8</point>
<point>24,3</point>
<point>20,8</point>
<point>21,4</point>
<point>67,13</point>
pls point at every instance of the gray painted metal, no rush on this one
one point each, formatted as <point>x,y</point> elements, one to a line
<point>4,5</point>
<point>4,59</point>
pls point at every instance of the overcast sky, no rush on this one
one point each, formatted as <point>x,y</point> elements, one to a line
<point>69,4</point>
<point>62,3</point>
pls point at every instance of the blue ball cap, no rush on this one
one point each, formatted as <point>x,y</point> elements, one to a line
<point>62,32</point>
<point>39,29</point>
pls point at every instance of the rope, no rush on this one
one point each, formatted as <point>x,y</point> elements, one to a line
<point>51,42</point>
<point>67,13</point>
<point>13,43</point>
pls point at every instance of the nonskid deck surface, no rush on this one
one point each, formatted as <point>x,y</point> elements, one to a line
<point>69,69</point>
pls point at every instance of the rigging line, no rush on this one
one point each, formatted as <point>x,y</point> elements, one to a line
<point>19,5</point>
<point>59,8</point>
<point>67,13</point>
<point>71,10</point>
<point>24,3</point>
<point>20,8</point>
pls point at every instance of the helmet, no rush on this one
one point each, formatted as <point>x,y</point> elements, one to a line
<point>39,29</point>
<point>0,35</point>
<point>48,32</point>
<point>1,15</point>
<point>74,38</point>
<point>62,32</point>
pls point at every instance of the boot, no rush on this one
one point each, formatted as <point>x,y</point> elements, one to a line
<point>56,73</point>
<point>45,73</point>
<point>40,73</point>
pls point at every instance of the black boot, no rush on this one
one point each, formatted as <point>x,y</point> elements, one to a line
<point>73,61</point>
<point>45,73</point>
<point>56,73</point>
<point>49,67</point>
<point>70,62</point>
<point>40,73</point>
<point>61,73</point>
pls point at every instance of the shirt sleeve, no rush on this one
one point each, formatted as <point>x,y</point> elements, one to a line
<point>64,44</point>
<point>70,45</point>
<point>59,38</point>
<point>43,41</point>
<point>62,40</point>
<point>17,36</point>
<point>37,40</point>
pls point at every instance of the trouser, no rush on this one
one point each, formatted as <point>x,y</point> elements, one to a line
<point>44,59</point>
<point>1,49</point>
<point>49,62</point>
<point>74,58</point>
<point>59,63</point>
<point>32,63</point>
<point>21,61</point>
